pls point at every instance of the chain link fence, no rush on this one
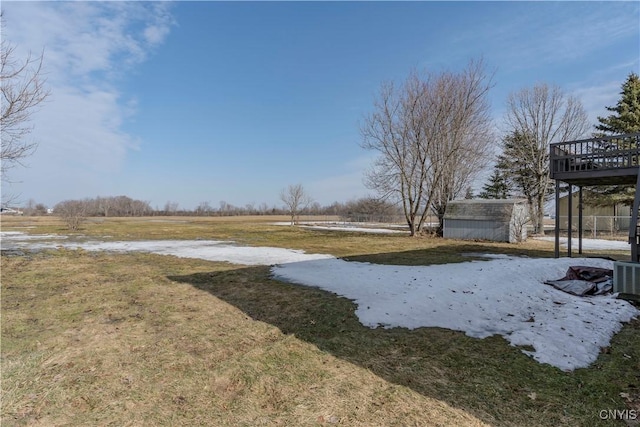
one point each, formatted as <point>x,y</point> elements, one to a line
<point>599,226</point>
<point>373,218</point>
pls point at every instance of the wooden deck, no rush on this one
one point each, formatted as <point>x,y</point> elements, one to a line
<point>613,160</point>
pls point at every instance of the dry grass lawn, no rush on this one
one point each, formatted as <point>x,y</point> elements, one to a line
<point>142,339</point>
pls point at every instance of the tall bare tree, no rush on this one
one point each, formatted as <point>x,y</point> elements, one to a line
<point>23,90</point>
<point>295,200</point>
<point>431,134</point>
<point>464,134</point>
<point>395,130</point>
<point>539,116</point>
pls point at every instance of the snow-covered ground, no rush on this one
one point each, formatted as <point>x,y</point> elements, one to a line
<point>211,250</point>
<point>350,228</point>
<point>374,228</point>
<point>504,295</point>
<point>593,244</point>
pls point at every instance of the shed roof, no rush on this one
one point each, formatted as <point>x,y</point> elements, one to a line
<point>482,209</point>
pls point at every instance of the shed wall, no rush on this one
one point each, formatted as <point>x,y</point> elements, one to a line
<point>469,229</point>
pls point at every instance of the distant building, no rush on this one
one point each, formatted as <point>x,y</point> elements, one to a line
<point>10,211</point>
<point>499,220</point>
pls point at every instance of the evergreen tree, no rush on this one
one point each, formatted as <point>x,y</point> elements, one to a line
<point>497,187</point>
<point>524,167</point>
<point>626,117</point>
<point>469,193</point>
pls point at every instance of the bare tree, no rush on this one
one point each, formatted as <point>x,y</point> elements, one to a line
<point>396,131</point>
<point>539,116</point>
<point>431,134</point>
<point>519,215</point>
<point>104,205</point>
<point>369,209</point>
<point>295,200</point>
<point>23,91</point>
<point>170,208</point>
<point>464,135</point>
<point>72,212</point>
<point>204,209</point>
<point>29,208</point>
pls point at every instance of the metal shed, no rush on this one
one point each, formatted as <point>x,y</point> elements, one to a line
<point>500,220</point>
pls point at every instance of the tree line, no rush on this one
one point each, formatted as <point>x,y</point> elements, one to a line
<point>124,206</point>
<point>75,212</point>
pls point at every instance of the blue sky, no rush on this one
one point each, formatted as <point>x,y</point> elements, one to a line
<point>210,101</point>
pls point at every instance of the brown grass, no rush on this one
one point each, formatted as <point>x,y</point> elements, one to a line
<point>141,339</point>
<point>98,339</point>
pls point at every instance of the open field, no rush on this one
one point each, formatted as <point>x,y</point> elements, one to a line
<point>95,338</point>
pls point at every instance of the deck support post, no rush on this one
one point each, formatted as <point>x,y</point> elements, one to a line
<point>556,252</point>
<point>569,219</point>
<point>580,220</point>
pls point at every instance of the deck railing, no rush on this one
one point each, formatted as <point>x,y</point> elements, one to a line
<point>606,153</point>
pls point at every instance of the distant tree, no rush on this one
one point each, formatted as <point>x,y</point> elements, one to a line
<point>335,208</point>
<point>72,212</point>
<point>369,209</point>
<point>40,209</point>
<point>34,209</point>
<point>103,205</point>
<point>124,206</point>
<point>204,208</point>
<point>264,209</point>
<point>314,208</point>
<point>140,208</point>
<point>468,194</point>
<point>295,200</point>
<point>625,119</point>
<point>224,207</point>
<point>29,208</point>
<point>431,134</point>
<point>171,208</point>
<point>535,118</point>
<point>497,187</point>
<point>23,90</point>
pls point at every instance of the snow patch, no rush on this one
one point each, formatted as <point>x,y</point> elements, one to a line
<point>503,295</point>
<point>592,244</point>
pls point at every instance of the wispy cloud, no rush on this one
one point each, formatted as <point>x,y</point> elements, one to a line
<point>602,87</point>
<point>88,48</point>
<point>544,33</point>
